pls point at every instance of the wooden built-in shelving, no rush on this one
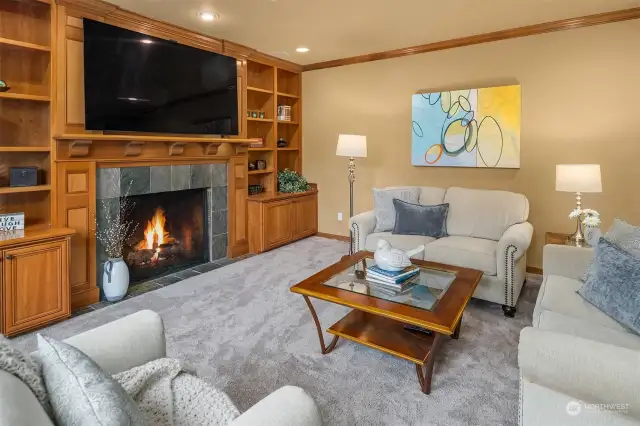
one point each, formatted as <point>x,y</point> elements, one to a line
<point>259,90</point>
<point>288,95</point>
<point>265,120</point>
<point>260,172</point>
<point>24,97</point>
<point>23,189</point>
<point>23,45</point>
<point>25,148</point>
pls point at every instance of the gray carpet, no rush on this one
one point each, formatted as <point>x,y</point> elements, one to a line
<point>242,329</point>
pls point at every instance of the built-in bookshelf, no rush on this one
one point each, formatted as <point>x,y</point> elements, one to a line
<point>267,88</point>
<point>25,139</point>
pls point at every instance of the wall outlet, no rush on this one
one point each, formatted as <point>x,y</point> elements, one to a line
<point>340,217</point>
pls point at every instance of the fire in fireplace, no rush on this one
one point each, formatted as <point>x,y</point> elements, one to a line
<point>171,233</point>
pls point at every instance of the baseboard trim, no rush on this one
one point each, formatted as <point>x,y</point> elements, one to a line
<point>530,269</point>
<point>332,236</point>
<point>85,298</point>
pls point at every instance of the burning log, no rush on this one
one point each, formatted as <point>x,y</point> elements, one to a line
<point>140,257</point>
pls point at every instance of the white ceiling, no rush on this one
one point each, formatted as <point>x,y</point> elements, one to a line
<point>335,29</point>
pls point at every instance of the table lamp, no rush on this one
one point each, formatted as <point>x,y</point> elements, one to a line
<point>351,146</point>
<point>578,178</point>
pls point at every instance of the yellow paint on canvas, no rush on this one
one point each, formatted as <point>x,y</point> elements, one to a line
<point>502,104</point>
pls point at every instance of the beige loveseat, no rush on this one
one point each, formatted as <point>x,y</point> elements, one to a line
<point>488,231</point>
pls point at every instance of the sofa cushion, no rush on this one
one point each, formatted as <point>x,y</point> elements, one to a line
<point>559,294</point>
<point>474,253</point>
<point>383,205</point>
<point>80,391</point>
<point>484,214</point>
<point>430,195</point>
<point>562,323</point>
<point>613,285</point>
<point>416,219</point>
<point>403,242</point>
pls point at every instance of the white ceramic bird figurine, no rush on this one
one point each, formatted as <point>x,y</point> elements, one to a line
<point>393,259</point>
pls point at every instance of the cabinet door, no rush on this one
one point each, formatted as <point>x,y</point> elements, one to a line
<point>304,217</point>
<point>76,210</point>
<point>36,286</point>
<point>277,224</point>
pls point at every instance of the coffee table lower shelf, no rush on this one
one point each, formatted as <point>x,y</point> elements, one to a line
<point>391,337</point>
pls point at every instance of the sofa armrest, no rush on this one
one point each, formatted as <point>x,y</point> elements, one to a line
<point>361,226</point>
<point>565,261</point>
<point>288,406</point>
<point>512,246</point>
<point>593,372</point>
<point>124,343</point>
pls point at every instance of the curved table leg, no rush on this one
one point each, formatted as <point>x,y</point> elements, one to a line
<point>325,349</point>
<point>424,376</point>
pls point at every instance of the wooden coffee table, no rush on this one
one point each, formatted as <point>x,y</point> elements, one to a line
<point>435,302</point>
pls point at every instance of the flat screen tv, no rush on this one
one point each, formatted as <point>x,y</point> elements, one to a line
<point>137,83</point>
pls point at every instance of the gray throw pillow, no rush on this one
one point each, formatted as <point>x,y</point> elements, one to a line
<point>383,205</point>
<point>415,219</point>
<point>623,235</point>
<point>81,393</point>
<point>613,285</point>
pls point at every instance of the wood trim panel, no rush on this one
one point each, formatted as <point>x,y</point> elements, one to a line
<point>238,186</point>
<point>562,25</point>
<point>332,236</point>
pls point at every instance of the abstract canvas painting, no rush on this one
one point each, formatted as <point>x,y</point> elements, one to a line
<point>467,128</point>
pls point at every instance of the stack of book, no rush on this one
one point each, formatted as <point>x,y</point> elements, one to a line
<point>396,281</point>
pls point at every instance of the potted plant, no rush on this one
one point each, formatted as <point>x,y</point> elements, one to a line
<point>291,181</point>
<point>116,230</point>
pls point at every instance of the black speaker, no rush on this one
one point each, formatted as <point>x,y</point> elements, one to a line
<point>23,176</point>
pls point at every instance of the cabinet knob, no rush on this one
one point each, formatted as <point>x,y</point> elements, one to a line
<point>10,256</point>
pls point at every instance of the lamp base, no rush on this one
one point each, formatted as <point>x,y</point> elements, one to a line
<point>577,239</point>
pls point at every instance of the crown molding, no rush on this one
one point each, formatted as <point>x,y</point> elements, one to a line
<point>562,25</point>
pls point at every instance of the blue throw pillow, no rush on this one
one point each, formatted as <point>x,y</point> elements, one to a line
<point>613,285</point>
<point>416,219</point>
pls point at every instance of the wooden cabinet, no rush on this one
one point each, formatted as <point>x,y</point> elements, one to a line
<point>34,273</point>
<point>281,219</point>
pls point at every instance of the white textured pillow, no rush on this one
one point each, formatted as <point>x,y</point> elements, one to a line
<point>623,235</point>
<point>383,207</point>
<point>81,393</point>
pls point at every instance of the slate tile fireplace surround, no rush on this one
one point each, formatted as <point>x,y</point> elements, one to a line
<point>171,198</point>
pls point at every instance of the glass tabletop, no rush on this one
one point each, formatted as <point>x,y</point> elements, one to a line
<point>423,292</point>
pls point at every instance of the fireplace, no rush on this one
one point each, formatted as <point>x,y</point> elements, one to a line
<point>171,233</point>
<point>181,213</point>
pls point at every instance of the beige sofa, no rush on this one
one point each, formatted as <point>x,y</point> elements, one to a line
<point>488,231</point>
<point>135,340</point>
<point>575,355</point>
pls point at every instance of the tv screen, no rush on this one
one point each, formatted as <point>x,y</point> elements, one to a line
<point>137,83</point>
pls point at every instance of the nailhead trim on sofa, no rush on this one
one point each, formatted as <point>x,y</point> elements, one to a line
<point>510,278</point>
<point>355,239</point>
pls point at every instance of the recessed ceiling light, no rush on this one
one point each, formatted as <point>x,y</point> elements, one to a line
<point>146,41</point>
<point>302,49</point>
<point>208,16</point>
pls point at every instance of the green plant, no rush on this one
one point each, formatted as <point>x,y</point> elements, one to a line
<point>290,181</point>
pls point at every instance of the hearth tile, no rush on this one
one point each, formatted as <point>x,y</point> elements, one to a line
<point>139,179</point>
<point>101,304</point>
<point>142,288</point>
<point>219,174</point>
<point>180,177</point>
<point>160,179</point>
<point>207,267</point>
<point>219,198</point>
<point>187,273</point>
<point>219,247</point>
<point>219,222</point>
<point>108,183</point>
<point>200,176</point>
<point>224,261</point>
<point>82,311</point>
<point>168,280</point>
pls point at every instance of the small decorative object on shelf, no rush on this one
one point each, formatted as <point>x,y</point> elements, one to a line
<point>248,113</point>
<point>23,176</point>
<point>113,234</point>
<point>261,114</point>
<point>392,259</point>
<point>252,165</point>
<point>254,114</point>
<point>11,222</point>
<point>284,113</point>
<point>255,189</point>
<point>282,143</point>
<point>3,86</point>
<point>290,181</point>
<point>261,164</point>
<point>590,219</point>
<point>258,144</point>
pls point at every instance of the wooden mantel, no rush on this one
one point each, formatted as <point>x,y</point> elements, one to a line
<point>152,138</point>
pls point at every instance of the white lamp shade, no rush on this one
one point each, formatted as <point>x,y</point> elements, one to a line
<point>578,178</point>
<point>352,146</point>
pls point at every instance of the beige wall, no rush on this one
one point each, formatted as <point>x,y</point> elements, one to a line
<point>580,104</point>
